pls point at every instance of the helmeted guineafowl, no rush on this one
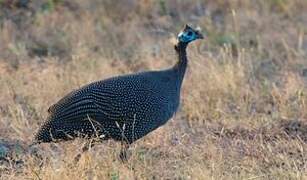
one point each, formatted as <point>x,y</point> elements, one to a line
<point>123,108</point>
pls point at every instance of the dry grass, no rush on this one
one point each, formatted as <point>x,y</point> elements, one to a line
<point>243,113</point>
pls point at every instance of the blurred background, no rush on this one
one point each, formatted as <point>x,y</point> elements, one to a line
<point>243,112</point>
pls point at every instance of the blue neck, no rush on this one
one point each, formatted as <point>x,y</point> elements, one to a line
<point>181,65</point>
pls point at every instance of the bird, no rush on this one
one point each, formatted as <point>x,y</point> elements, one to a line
<point>123,108</point>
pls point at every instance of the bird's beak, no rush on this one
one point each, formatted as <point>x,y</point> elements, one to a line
<point>199,35</point>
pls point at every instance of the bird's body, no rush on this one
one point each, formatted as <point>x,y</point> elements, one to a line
<point>123,108</point>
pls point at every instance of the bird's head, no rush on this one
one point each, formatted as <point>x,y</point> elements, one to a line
<point>189,34</point>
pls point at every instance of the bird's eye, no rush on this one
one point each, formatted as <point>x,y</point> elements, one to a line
<point>190,33</point>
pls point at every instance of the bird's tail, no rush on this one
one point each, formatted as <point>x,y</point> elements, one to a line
<point>46,133</point>
<point>53,131</point>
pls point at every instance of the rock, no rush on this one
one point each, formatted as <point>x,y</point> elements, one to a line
<point>4,150</point>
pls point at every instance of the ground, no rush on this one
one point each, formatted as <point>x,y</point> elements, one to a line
<point>243,112</point>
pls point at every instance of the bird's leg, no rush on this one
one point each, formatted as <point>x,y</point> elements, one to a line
<point>88,145</point>
<point>123,151</point>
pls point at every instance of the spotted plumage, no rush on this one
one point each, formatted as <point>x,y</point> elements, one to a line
<point>124,108</point>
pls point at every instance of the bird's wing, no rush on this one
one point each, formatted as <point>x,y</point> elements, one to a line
<point>86,101</point>
<point>65,100</point>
